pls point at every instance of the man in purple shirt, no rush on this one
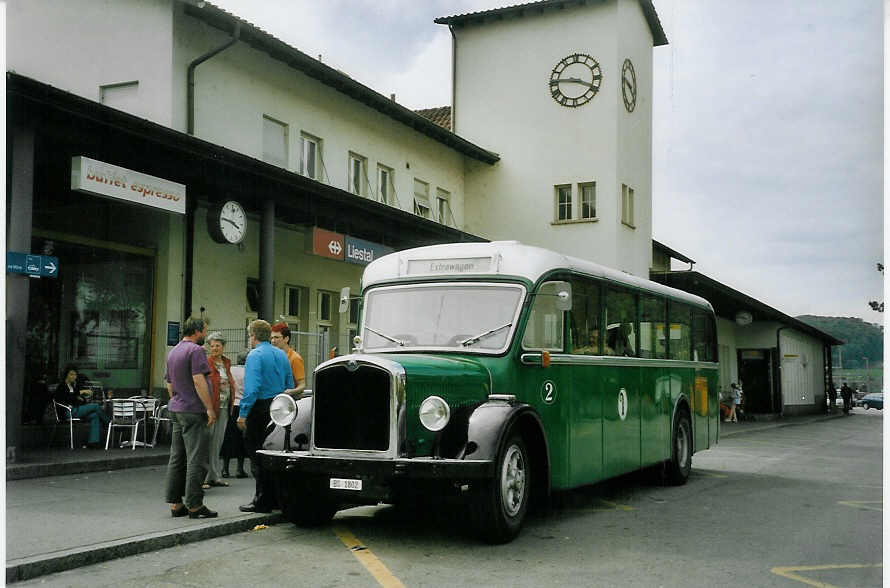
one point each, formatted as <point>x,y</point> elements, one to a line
<point>191,410</point>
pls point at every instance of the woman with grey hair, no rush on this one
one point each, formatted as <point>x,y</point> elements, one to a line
<point>222,391</point>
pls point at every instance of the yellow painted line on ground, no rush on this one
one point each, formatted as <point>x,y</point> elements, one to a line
<point>863,504</point>
<point>704,474</point>
<point>789,572</point>
<point>616,506</point>
<point>609,507</point>
<point>380,572</point>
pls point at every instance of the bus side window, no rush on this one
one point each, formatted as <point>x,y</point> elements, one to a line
<point>653,339</point>
<point>680,342</point>
<point>585,316</point>
<point>703,335</point>
<point>546,324</point>
<point>621,323</point>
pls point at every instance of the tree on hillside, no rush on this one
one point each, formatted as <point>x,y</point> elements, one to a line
<point>875,305</point>
<point>861,339</point>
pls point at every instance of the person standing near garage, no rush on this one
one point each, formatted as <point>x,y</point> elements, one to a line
<point>267,373</point>
<point>847,395</point>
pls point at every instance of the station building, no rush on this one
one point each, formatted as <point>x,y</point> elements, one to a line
<point>179,161</point>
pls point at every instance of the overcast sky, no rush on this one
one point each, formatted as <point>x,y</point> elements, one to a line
<point>767,127</point>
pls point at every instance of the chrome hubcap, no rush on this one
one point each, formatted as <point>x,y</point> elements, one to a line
<point>682,445</point>
<point>513,480</point>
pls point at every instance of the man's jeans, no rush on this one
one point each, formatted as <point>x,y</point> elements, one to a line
<point>187,467</point>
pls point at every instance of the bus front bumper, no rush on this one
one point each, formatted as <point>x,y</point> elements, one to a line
<point>370,479</point>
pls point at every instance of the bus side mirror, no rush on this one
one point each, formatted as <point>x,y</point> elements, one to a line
<point>344,300</point>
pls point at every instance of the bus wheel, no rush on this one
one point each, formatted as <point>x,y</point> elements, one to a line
<point>500,504</point>
<point>680,464</point>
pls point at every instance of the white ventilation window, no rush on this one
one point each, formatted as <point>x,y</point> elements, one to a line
<point>274,141</point>
<point>627,205</point>
<point>384,184</point>
<point>563,202</point>
<point>310,156</point>
<point>421,198</point>
<point>587,196</point>
<point>443,207</point>
<point>358,174</point>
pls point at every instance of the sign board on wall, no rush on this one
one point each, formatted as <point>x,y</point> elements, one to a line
<point>328,243</point>
<point>32,265</point>
<point>364,252</point>
<point>103,179</point>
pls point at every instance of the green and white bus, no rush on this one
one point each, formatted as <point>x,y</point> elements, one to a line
<point>500,372</point>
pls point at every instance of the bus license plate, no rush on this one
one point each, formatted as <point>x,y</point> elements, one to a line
<point>345,484</point>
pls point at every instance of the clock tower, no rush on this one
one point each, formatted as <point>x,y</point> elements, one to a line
<point>562,91</point>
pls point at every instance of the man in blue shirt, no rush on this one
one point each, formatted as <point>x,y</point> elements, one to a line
<point>267,373</point>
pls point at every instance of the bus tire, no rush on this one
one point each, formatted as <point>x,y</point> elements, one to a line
<point>500,505</point>
<point>680,464</point>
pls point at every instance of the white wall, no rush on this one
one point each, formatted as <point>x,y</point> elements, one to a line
<point>80,46</point>
<point>802,368</point>
<point>241,84</point>
<point>503,102</point>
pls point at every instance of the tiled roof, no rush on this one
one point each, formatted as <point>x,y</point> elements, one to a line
<point>530,8</point>
<point>441,115</point>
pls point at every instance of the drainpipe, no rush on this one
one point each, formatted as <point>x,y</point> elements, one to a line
<point>191,208</point>
<point>190,90</point>
<point>453,77</point>
<point>779,379</point>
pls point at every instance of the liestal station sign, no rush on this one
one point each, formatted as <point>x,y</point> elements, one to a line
<point>345,248</point>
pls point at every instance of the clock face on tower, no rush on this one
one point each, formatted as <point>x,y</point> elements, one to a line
<point>575,80</point>
<point>227,222</point>
<point>628,85</point>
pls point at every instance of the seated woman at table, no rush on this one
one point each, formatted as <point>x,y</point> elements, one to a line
<point>71,392</point>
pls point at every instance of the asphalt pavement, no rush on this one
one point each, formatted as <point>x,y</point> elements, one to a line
<point>63,522</point>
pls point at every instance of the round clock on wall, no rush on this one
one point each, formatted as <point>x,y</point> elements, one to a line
<point>575,80</point>
<point>227,222</point>
<point>629,85</point>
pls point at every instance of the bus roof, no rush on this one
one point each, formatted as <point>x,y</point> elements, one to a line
<point>501,258</point>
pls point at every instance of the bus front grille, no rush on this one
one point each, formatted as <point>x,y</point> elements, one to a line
<point>352,408</point>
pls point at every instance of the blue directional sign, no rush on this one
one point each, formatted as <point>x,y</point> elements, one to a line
<point>32,265</point>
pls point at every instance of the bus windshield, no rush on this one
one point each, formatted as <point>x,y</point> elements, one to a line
<point>453,316</point>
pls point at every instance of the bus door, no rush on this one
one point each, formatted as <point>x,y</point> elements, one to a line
<point>620,381</point>
<point>549,389</point>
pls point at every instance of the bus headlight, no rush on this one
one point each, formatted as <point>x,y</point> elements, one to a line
<point>434,413</point>
<point>283,410</point>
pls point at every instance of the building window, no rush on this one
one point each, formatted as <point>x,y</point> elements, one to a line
<point>353,311</point>
<point>310,156</point>
<point>587,195</point>
<point>384,184</point>
<point>324,306</point>
<point>627,205</point>
<point>443,206</point>
<point>293,296</point>
<point>563,203</point>
<point>421,198</point>
<point>358,174</point>
<point>274,142</point>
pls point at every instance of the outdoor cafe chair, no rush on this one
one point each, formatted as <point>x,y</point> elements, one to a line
<point>161,415</point>
<point>57,406</point>
<point>127,413</point>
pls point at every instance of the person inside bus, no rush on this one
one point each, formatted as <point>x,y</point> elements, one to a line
<point>618,341</point>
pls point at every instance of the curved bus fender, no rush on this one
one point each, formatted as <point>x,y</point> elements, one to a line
<point>489,426</point>
<point>681,403</point>
<point>299,429</point>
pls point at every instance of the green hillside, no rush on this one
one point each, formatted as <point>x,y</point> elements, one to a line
<point>861,339</point>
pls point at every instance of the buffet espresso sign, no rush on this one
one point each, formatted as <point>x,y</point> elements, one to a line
<point>103,179</point>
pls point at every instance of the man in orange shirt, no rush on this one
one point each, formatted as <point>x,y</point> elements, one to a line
<point>281,339</point>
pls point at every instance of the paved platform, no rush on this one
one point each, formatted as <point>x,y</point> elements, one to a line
<point>63,522</point>
<point>91,506</point>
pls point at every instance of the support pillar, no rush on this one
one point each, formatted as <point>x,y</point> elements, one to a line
<point>18,238</point>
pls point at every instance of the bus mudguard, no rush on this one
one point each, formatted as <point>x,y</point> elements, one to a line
<point>489,426</point>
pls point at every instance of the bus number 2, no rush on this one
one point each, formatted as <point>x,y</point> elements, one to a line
<point>548,392</point>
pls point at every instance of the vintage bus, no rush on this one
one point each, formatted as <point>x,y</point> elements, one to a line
<point>500,372</point>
